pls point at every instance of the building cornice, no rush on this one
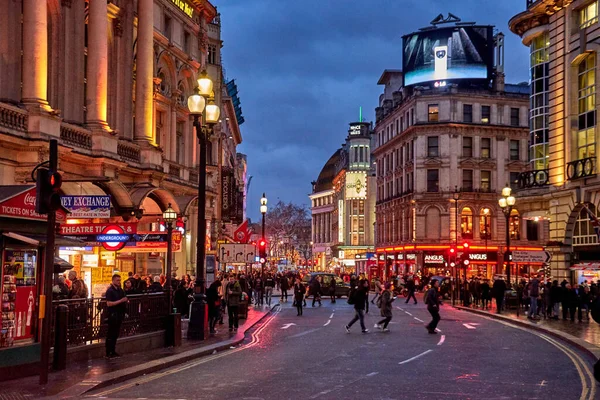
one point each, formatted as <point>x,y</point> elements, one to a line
<point>537,14</point>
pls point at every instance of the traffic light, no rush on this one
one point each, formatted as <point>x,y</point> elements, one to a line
<point>465,255</point>
<point>262,248</point>
<point>47,185</point>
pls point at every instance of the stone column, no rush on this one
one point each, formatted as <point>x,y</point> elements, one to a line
<point>173,133</point>
<point>97,63</point>
<point>144,71</point>
<point>35,53</point>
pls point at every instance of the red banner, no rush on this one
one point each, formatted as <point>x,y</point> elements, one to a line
<point>22,205</point>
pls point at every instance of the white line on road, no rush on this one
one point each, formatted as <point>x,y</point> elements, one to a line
<point>305,333</point>
<point>415,357</point>
<point>327,323</point>
<point>408,313</point>
<point>331,316</point>
<point>420,320</point>
<point>438,330</point>
<point>442,340</point>
<point>469,326</point>
<point>372,374</point>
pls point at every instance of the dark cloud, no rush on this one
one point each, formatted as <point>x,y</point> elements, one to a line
<point>303,68</point>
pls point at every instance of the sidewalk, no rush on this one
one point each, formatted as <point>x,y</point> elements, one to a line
<point>585,335</point>
<point>82,376</point>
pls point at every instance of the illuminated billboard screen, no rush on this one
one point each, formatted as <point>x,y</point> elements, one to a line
<point>356,185</point>
<point>457,52</point>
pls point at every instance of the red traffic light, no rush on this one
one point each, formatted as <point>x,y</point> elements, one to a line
<point>262,243</point>
<point>466,245</point>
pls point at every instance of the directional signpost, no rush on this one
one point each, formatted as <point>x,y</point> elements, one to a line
<point>528,256</point>
<point>236,253</point>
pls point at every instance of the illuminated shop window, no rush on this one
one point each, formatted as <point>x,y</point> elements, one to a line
<point>514,223</point>
<point>466,223</point>
<point>586,78</point>
<point>588,15</point>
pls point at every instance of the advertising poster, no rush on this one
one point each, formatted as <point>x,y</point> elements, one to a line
<point>24,311</point>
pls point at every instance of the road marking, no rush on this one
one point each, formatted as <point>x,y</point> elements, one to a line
<point>305,333</point>
<point>442,340</point>
<point>331,316</point>
<point>415,357</point>
<point>408,313</point>
<point>286,326</point>
<point>470,326</point>
<point>255,340</point>
<point>327,323</point>
<point>321,393</point>
<point>420,320</point>
<point>372,374</point>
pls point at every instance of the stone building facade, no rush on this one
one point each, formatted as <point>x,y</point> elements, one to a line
<point>109,79</point>
<point>563,41</point>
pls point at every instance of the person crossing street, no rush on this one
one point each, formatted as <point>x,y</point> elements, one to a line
<point>385,304</point>
<point>433,306</point>
<point>359,298</point>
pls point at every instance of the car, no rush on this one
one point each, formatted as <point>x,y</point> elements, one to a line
<point>341,288</point>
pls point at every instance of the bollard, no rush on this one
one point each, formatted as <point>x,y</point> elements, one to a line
<point>173,331</point>
<point>60,339</point>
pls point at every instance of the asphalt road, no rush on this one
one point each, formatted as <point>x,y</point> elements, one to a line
<point>312,357</point>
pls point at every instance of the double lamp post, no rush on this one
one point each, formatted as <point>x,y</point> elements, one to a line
<point>263,211</point>
<point>506,203</point>
<point>206,114</point>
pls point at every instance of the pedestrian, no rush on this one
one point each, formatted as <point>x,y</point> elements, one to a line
<point>299,295</point>
<point>385,305</point>
<point>555,298</point>
<point>116,301</point>
<point>315,289</point>
<point>572,300</point>
<point>564,299</point>
<point>534,294</point>
<point>174,281</point>
<point>378,290</point>
<point>129,288</point>
<point>214,305</point>
<point>79,289</point>
<point>60,291</point>
<point>410,286</point>
<point>269,285</point>
<point>285,285</point>
<point>485,294</point>
<point>234,294</point>
<point>499,287</point>
<point>585,301</point>
<point>332,286</point>
<point>258,290</point>
<point>433,306</point>
<point>359,298</point>
<point>180,299</point>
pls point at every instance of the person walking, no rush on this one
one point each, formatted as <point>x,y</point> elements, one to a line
<point>180,300</point>
<point>410,286</point>
<point>299,295</point>
<point>385,304</point>
<point>360,299</point>
<point>285,285</point>
<point>214,305</point>
<point>485,294</point>
<point>269,285</point>
<point>378,290</point>
<point>556,293</point>
<point>534,294</point>
<point>116,306</point>
<point>258,291</point>
<point>234,293</point>
<point>315,289</point>
<point>499,287</point>
<point>433,306</point>
<point>332,286</point>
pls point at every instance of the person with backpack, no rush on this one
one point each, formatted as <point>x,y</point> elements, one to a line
<point>433,306</point>
<point>384,302</point>
<point>358,298</point>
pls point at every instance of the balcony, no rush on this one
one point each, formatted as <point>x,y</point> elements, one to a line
<point>534,178</point>
<point>13,118</point>
<point>76,136</point>
<point>128,151</point>
<point>583,168</point>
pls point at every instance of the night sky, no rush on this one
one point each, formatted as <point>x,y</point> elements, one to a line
<point>303,68</point>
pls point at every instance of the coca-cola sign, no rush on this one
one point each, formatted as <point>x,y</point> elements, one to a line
<point>22,205</point>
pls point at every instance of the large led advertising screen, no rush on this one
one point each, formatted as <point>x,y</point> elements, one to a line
<point>457,52</point>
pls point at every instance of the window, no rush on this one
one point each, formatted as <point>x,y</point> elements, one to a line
<point>486,147</point>
<point>212,54</point>
<point>466,223</point>
<point>433,149</point>
<point>467,146</point>
<point>467,113</point>
<point>160,118</point>
<point>167,27</point>
<point>514,117</point>
<point>586,143</point>
<point>514,150</point>
<point>583,232</point>
<point>538,114</point>
<point>433,113</point>
<point>486,181</point>
<point>485,114</point>
<point>186,42</point>
<point>432,180</point>
<point>532,230</point>
<point>514,180</point>
<point>588,15</point>
<point>514,225</point>
<point>467,180</point>
<point>485,222</point>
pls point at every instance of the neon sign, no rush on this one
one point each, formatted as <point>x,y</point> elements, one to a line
<point>185,7</point>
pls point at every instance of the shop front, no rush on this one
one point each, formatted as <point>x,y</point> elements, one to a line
<point>586,271</point>
<point>435,264</point>
<point>482,264</point>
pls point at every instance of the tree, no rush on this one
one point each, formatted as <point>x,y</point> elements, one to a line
<point>288,226</point>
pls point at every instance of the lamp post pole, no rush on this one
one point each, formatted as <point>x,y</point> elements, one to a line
<point>263,211</point>
<point>506,203</point>
<point>455,292</point>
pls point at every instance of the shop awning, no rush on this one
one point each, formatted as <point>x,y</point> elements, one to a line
<point>37,240</point>
<point>61,265</point>
<point>588,266</point>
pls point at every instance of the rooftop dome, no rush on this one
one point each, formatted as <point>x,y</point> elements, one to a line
<point>325,180</point>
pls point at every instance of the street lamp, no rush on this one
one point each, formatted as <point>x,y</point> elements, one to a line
<point>456,197</point>
<point>201,106</point>
<point>506,203</point>
<point>263,211</point>
<point>169,216</point>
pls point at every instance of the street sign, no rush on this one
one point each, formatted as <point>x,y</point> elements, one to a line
<point>529,256</point>
<point>236,253</point>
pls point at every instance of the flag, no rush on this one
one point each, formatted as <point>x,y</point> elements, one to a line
<point>242,233</point>
<point>593,221</point>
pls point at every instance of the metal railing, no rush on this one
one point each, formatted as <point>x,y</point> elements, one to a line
<point>76,136</point>
<point>582,168</point>
<point>87,318</point>
<point>13,117</point>
<point>129,151</point>
<point>534,178</point>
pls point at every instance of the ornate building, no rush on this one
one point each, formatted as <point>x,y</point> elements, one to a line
<point>109,79</point>
<point>562,36</point>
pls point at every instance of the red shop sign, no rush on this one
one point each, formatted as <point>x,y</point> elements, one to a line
<point>22,205</point>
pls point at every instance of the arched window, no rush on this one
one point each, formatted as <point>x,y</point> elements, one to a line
<point>466,223</point>
<point>165,87</point>
<point>485,224</point>
<point>515,225</point>
<point>583,231</point>
<point>432,223</point>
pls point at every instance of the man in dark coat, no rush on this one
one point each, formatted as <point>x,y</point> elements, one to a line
<point>499,288</point>
<point>385,303</point>
<point>116,307</point>
<point>315,290</point>
<point>433,306</point>
<point>359,296</point>
<point>284,285</point>
<point>410,286</point>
